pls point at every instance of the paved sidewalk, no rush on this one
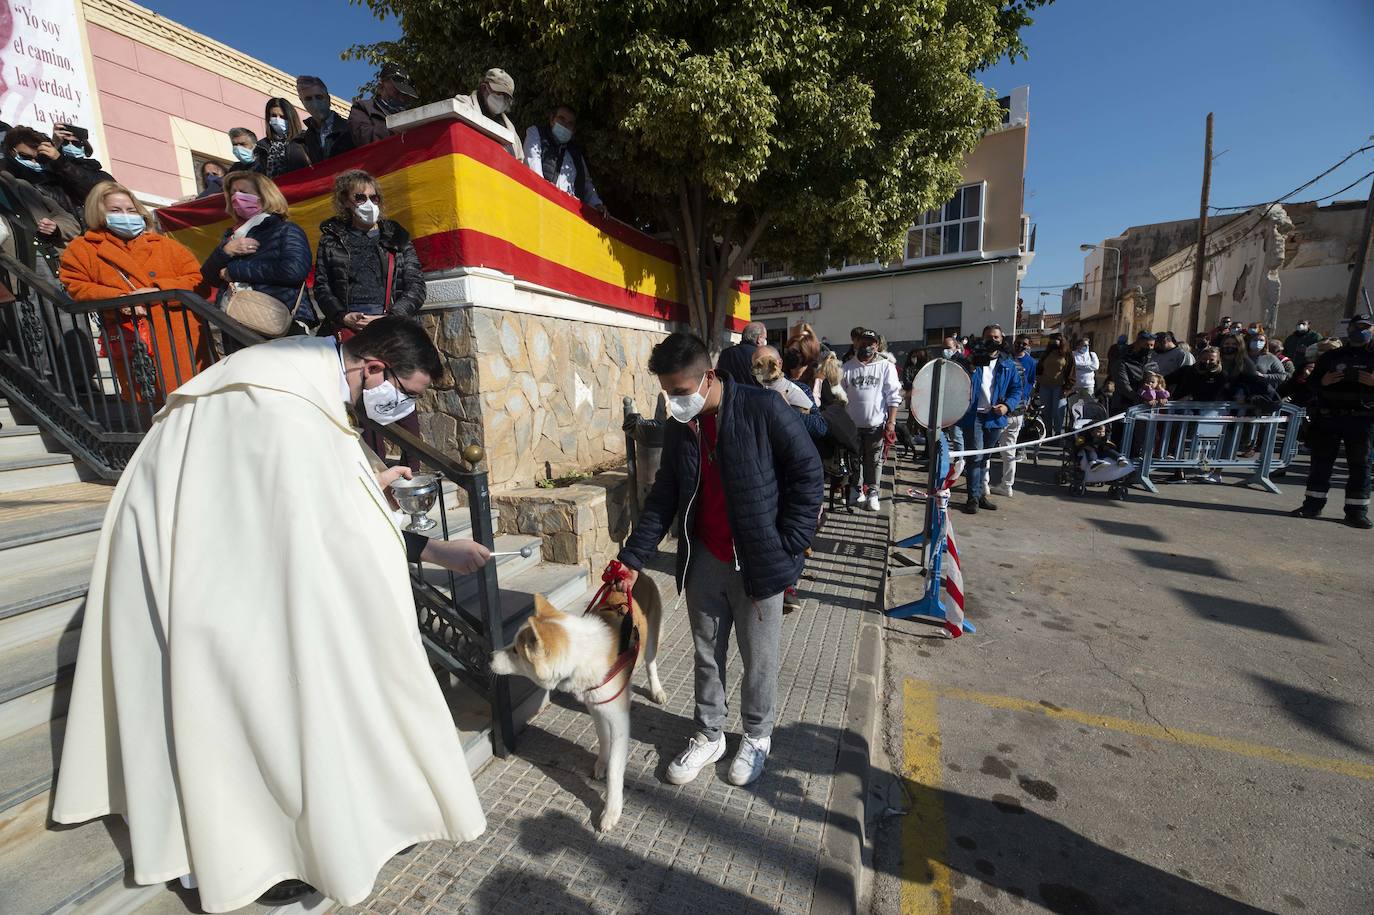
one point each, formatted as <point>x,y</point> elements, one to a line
<point>703,847</point>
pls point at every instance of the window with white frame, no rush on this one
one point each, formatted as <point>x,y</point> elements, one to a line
<point>955,228</point>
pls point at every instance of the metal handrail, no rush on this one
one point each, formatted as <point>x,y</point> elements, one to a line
<point>100,407</point>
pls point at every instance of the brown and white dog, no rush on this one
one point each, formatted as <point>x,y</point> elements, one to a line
<point>586,655</point>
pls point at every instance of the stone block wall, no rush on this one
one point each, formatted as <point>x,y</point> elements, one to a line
<point>580,524</point>
<point>541,394</point>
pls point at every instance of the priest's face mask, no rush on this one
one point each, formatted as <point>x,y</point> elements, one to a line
<point>385,397</point>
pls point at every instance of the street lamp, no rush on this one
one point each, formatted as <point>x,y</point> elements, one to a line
<point>1116,278</point>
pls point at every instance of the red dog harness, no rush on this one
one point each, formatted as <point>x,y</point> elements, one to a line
<point>625,662</point>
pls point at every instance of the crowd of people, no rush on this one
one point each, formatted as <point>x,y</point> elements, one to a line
<point>1243,365</point>
<point>91,233</point>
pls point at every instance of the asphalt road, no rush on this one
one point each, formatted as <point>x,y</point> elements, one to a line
<point>1166,709</point>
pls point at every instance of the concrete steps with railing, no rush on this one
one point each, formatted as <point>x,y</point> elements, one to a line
<point>29,458</point>
<point>48,536</point>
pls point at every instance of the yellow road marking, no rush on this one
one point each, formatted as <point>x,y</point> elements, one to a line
<point>1138,729</point>
<point>925,873</point>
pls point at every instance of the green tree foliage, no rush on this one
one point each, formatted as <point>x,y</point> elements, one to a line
<point>802,131</point>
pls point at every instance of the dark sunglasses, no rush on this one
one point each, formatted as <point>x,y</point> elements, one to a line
<point>360,198</point>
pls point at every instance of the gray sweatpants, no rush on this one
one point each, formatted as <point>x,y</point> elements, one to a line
<point>716,603</point>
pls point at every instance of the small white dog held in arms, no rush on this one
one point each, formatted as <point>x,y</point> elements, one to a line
<point>592,656</point>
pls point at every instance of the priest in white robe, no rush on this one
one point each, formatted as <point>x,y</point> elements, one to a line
<point>251,693</point>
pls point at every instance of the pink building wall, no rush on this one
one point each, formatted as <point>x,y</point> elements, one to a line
<point>140,89</point>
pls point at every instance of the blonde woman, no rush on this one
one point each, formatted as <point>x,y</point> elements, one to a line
<point>263,249</point>
<point>153,348</point>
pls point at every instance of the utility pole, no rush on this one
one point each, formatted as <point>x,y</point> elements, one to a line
<point>1361,253</point>
<point>1199,261</point>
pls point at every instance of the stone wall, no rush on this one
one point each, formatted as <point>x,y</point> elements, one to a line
<point>541,394</point>
<point>580,524</point>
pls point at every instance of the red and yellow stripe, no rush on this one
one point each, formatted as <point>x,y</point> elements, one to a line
<point>467,203</point>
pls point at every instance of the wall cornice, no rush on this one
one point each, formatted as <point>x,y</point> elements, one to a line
<point>147,27</point>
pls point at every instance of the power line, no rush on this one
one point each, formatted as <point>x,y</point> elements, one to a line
<point>1302,186</point>
<point>1344,189</point>
<point>1264,213</point>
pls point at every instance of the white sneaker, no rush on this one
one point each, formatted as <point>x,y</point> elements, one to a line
<point>699,753</point>
<point>873,504</point>
<point>748,762</point>
<point>1122,462</point>
<point>1003,490</point>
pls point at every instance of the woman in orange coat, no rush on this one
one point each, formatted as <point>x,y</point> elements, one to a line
<point>153,348</point>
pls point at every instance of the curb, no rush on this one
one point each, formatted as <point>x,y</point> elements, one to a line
<point>841,873</point>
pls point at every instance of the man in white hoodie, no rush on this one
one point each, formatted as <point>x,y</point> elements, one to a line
<point>875,392</point>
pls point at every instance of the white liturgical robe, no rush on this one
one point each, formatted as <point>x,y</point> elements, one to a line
<point>251,692</point>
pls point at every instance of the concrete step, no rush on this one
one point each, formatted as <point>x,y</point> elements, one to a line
<point>69,869</point>
<point>28,762</point>
<point>38,664</point>
<point>11,416</point>
<point>41,588</point>
<point>17,442</point>
<point>22,473</point>
<point>41,542</point>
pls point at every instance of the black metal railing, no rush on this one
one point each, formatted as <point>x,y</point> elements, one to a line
<point>93,375</point>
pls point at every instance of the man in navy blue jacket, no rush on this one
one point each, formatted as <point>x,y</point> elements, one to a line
<point>743,479</point>
<point>737,362</point>
<point>997,392</point>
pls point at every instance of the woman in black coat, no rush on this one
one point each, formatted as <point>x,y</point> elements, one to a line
<point>263,249</point>
<point>366,266</point>
<point>282,147</point>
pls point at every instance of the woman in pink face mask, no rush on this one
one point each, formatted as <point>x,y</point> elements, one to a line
<point>263,249</point>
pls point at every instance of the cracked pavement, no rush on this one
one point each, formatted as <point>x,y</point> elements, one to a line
<point>1166,708</point>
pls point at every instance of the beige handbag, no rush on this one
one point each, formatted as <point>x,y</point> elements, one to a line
<point>258,311</point>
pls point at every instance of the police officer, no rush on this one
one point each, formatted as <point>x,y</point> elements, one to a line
<point>1343,382</point>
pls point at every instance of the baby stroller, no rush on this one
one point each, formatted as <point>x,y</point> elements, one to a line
<point>1078,472</point>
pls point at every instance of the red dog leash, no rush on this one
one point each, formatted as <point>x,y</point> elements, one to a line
<point>615,573</point>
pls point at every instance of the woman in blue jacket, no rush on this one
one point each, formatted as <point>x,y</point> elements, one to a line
<point>263,249</point>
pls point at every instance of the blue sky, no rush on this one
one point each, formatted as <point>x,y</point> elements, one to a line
<point>1119,95</point>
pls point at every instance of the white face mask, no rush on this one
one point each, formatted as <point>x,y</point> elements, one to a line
<point>278,126</point>
<point>497,104</point>
<point>685,407</point>
<point>384,404</point>
<point>368,212</point>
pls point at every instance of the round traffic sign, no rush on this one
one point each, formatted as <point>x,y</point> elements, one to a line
<point>955,388</point>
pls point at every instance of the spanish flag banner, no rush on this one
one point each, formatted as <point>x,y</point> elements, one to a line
<point>467,203</point>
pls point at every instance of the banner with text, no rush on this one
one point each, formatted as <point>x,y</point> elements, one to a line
<point>43,77</point>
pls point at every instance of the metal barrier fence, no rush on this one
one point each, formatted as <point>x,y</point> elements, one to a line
<point>93,375</point>
<point>1212,436</point>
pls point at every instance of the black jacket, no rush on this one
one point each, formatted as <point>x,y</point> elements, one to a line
<point>340,142</point>
<point>737,363</point>
<point>773,489</point>
<point>1129,375</point>
<point>65,182</point>
<point>294,157</point>
<point>279,266</point>
<point>333,269</point>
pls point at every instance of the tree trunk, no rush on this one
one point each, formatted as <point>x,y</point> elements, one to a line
<point>709,266</point>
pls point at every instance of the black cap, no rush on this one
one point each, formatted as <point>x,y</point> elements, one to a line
<point>399,78</point>
<point>867,334</point>
<point>1144,335</point>
<point>1360,319</point>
